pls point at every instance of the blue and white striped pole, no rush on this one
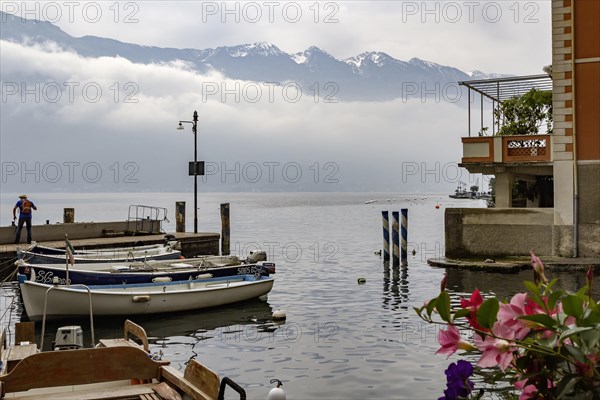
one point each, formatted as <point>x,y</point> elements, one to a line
<point>395,238</point>
<point>386,235</point>
<point>404,234</point>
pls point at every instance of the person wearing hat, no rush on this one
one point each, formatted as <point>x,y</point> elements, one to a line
<point>24,205</point>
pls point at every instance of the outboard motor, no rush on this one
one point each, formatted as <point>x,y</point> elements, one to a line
<point>256,256</point>
<point>68,338</point>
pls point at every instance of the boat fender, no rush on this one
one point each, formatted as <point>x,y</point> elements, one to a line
<point>140,299</point>
<point>162,279</point>
<point>278,315</point>
<point>277,392</point>
<point>204,276</point>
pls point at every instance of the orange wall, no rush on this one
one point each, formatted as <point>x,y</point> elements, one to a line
<point>587,28</point>
<point>587,79</point>
<point>587,101</point>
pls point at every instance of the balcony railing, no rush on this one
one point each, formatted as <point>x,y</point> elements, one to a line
<point>507,149</point>
<point>496,91</point>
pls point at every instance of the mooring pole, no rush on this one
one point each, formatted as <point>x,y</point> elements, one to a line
<point>180,216</point>
<point>395,239</point>
<point>404,234</point>
<point>68,215</point>
<point>385,218</point>
<point>225,230</point>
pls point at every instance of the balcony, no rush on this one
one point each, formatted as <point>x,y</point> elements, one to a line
<point>530,153</point>
<point>507,149</point>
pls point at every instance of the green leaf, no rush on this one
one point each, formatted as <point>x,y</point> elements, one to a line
<point>553,298</point>
<point>487,312</point>
<point>463,312</point>
<point>550,285</point>
<point>431,306</point>
<point>591,338</point>
<point>541,319</point>
<point>532,287</point>
<point>573,305</point>
<point>442,306</point>
<point>566,385</point>
<point>572,331</point>
<point>576,353</point>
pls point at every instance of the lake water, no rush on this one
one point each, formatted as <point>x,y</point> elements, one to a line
<point>341,340</point>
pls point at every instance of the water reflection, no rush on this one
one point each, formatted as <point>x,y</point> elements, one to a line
<point>395,287</point>
<point>504,286</point>
<point>171,329</point>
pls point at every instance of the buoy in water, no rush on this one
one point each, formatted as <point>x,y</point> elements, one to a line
<point>437,206</point>
<point>277,392</point>
<point>362,280</point>
<point>278,315</point>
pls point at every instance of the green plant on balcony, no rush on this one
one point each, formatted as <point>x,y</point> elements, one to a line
<point>524,115</point>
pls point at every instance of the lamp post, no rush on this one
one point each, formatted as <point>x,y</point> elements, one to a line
<point>195,168</point>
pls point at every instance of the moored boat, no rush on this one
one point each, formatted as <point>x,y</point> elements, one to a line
<point>112,273</point>
<point>137,272</point>
<point>38,254</point>
<point>115,369</point>
<point>142,298</point>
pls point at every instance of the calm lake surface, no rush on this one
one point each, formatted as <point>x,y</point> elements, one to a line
<point>341,340</point>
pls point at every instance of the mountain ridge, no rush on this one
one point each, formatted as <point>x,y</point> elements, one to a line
<point>368,76</point>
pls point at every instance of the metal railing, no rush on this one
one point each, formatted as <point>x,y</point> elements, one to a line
<point>145,219</point>
<point>501,89</point>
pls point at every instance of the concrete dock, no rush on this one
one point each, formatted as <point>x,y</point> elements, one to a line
<point>515,264</point>
<point>98,236</point>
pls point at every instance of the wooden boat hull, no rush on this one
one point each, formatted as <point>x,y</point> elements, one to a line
<point>135,299</point>
<point>115,369</point>
<point>79,274</point>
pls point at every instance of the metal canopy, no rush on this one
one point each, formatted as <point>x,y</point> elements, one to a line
<point>501,89</point>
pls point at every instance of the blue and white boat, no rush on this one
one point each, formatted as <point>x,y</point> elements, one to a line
<point>145,272</point>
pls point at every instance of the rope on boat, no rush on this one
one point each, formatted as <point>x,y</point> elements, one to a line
<point>6,266</point>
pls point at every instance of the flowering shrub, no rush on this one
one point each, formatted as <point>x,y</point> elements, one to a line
<point>546,342</point>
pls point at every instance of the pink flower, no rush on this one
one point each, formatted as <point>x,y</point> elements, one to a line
<point>527,391</point>
<point>451,341</point>
<point>496,351</point>
<point>538,269</point>
<point>508,315</point>
<point>472,304</point>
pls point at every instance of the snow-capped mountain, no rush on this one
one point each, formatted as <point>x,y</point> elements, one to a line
<point>371,76</point>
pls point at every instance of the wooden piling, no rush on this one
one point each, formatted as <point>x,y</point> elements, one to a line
<point>69,215</point>
<point>180,216</point>
<point>225,230</point>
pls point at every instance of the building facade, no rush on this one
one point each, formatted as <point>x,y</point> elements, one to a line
<point>559,172</point>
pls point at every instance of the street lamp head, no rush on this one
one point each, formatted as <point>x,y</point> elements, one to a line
<point>180,127</point>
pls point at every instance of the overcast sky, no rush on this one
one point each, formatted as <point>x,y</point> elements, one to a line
<point>492,36</point>
<point>109,143</point>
